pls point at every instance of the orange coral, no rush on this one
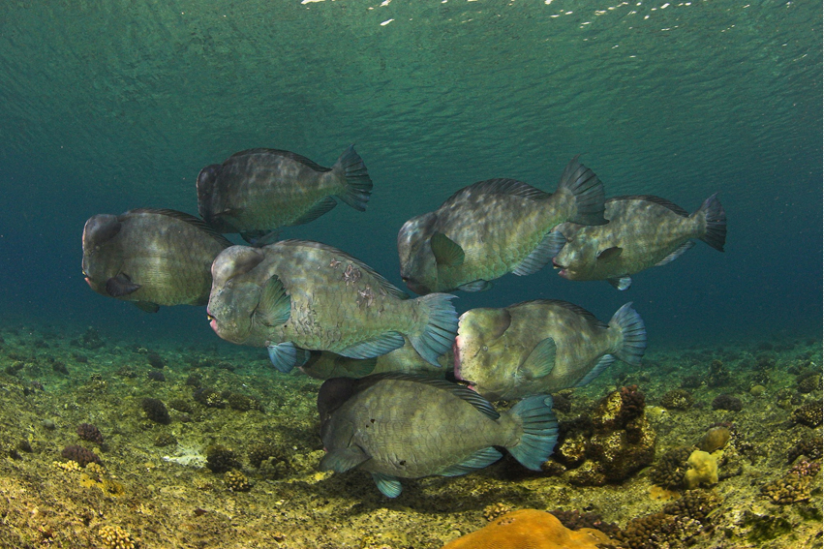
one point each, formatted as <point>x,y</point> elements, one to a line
<point>529,529</point>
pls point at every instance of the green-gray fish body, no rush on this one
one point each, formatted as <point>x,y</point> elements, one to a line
<point>396,426</point>
<point>150,257</point>
<point>541,346</point>
<point>492,228</point>
<point>298,296</point>
<point>405,360</point>
<point>257,191</point>
<point>643,232</point>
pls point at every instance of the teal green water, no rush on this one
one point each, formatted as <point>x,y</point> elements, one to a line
<point>109,107</point>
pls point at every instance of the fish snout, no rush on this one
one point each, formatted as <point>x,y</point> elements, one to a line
<point>562,269</point>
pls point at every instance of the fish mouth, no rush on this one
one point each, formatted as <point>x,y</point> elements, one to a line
<point>563,271</point>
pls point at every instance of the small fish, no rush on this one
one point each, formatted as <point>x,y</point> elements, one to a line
<point>495,227</point>
<point>150,257</point>
<point>643,232</point>
<point>255,192</point>
<point>397,426</point>
<point>297,296</point>
<point>541,347</point>
<point>326,365</point>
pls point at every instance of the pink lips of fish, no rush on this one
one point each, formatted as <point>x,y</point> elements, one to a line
<point>563,272</point>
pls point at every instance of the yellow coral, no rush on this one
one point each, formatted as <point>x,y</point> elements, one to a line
<point>703,469</point>
<point>115,537</point>
<point>529,528</point>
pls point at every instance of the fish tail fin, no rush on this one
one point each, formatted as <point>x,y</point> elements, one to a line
<point>540,431</point>
<point>716,221</point>
<point>633,334</point>
<point>358,183</point>
<point>441,327</point>
<point>588,192</point>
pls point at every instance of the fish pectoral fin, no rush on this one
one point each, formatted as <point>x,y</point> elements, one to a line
<point>620,283</point>
<point>375,346</point>
<point>447,251</point>
<point>480,459</point>
<point>343,460</point>
<point>259,239</point>
<point>121,285</point>
<point>147,306</point>
<point>676,253</point>
<point>609,254</point>
<point>325,205</point>
<point>285,356</point>
<point>388,485</point>
<point>603,363</point>
<point>541,360</point>
<point>543,253</point>
<point>274,306</point>
<point>476,286</point>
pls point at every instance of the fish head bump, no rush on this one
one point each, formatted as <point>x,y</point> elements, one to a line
<point>478,331</point>
<point>236,291</point>
<point>101,257</point>
<point>419,270</point>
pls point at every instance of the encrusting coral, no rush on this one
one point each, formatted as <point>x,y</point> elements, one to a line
<point>529,528</point>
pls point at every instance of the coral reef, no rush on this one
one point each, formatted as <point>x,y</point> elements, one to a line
<point>610,443</point>
<point>529,528</point>
<point>236,481</point>
<point>677,399</point>
<point>220,459</point>
<point>715,439</point>
<point>670,469</point>
<point>678,522</point>
<point>796,485</point>
<point>89,432</point>
<point>156,411</point>
<point>809,414</point>
<point>80,455</point>
<point>727,402</point>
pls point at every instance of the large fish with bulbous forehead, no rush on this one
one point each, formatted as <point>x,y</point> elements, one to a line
<point>150,257</point>
<point>255,192</point>
<point>643,232</point>
<point>296,296</point>
<point>495,227</point>
<point>542,346</point>
<point>397,426</point>
<point>404,360</point>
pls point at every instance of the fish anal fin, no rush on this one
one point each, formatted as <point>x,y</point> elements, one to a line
<point>322,207</point>
<point>375,346</point>
<point>620,282</point>
<point>478,460</point>
<point>388,485</point>
<point>676,253</point>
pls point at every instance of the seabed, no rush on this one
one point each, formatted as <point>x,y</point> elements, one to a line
<point>235,466</point>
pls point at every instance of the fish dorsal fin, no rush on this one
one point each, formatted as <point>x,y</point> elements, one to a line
<point>290,155</point>
<point>609,254</point>
<point>274,306</point>
<point>541,360</point>
<point>657,200</point>
<point>566,305</point>
<point>186,218</point>
<point>343,460</point>
<point>384,284</point>
<point>447,251</point>
<point>511,187</point>
<point>464,393</point>
<point>676,253</point>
